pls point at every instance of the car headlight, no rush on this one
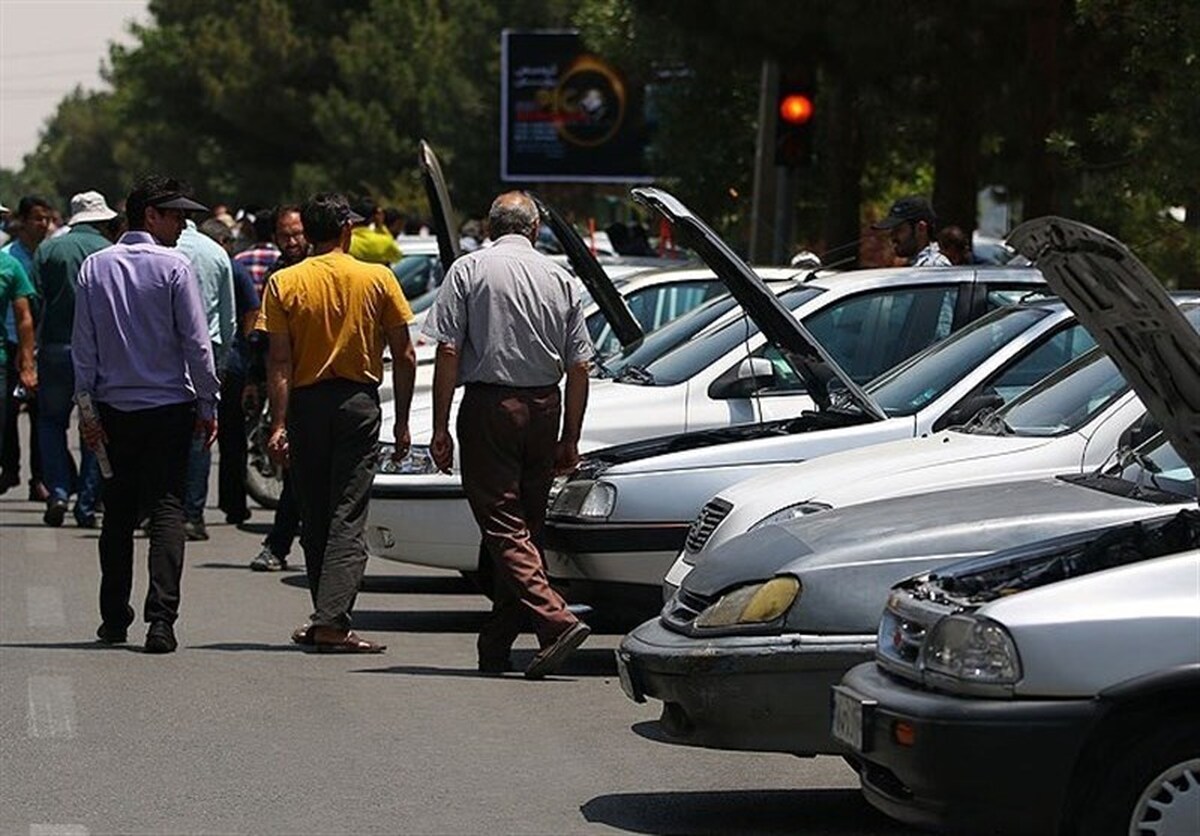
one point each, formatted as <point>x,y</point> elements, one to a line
<point>791,512</point>
<point>555,489</point>
<point>418,461</point>
<point>585,498</point>
<point>971,652</point>
<point>759,603</point>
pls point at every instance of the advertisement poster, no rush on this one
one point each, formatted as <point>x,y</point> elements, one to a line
<point>567,114</point>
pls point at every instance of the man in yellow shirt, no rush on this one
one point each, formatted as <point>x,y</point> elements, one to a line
<point>370,241</point>
<point>328,318</point>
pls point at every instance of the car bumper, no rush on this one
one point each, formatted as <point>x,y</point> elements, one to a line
<point>424,521</point>
<point>760,693</point>
<point>606,553</point>
<point>1003,765</point>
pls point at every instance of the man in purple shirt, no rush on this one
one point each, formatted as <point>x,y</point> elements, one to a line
<point>141,351</point>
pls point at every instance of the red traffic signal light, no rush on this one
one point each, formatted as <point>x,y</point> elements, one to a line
<point>795,108</point>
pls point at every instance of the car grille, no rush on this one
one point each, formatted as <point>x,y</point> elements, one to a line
<point>706,523</point>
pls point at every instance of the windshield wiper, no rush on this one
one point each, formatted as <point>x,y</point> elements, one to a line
<point>988,422</point>
<point>636,374</point>
<point>842,401</point>
<point>602,370</point>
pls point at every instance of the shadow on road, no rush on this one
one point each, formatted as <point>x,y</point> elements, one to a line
<point>393,584</point>
<point>582,663</point>
<point>833,812</point>
<point>419,621</point>
<point>131,647</point>
<point>240,647</point>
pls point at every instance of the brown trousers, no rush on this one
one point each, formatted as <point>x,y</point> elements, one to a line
<point>507,438</point>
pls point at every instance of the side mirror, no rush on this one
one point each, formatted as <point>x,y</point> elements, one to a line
<point>1138,433</point>
<point>743,380</point>
<point>968,408</point>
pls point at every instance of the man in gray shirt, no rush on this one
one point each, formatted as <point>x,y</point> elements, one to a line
<point>509,325</point>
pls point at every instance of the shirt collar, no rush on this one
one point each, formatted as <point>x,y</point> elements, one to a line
<point>136,236</point>
<point>513,238</point>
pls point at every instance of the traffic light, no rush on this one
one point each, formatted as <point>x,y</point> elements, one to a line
<point>794,122</point>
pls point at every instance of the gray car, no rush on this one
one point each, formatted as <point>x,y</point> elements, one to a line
<point>744,654</point>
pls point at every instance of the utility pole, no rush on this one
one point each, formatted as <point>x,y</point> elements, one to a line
<point>763,210</point>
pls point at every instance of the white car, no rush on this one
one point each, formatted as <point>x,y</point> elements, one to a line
<point>616,526</point>
<point>710,368</point>
<point>1072,421</point>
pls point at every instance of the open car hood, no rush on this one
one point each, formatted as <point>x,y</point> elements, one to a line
<point>1131,317</point>
<point>818,369</point>
<point>971,583</point>
<point>605,294</point>
<point>440,208</point>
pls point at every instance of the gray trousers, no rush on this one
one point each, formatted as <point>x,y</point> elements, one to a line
<point>333,435</point>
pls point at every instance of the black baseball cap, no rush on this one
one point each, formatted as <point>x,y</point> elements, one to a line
<point>175,200</point>
<point>906,210</point>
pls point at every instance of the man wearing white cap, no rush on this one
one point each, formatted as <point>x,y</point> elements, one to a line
<point>55,270</point>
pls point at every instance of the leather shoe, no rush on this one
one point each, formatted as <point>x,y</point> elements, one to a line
<point>56,511</point>
<point>160,638</point>
<point>113,633</point>
<point>550,657</point>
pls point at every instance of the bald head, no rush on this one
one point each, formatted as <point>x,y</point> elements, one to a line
<point>513,213</point>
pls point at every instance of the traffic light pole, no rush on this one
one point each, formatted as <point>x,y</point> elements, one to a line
<point>764,213</point>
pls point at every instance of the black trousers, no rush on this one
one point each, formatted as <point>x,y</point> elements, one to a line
<point>287,520</point>
<point>148,449</point>
<point>10,457</point>
<point>231,440</point>
<point>333,436</point>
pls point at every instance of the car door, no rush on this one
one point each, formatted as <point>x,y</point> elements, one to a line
<point>866,333</point>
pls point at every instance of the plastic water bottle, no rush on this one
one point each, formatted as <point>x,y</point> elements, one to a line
<point>88,411</point>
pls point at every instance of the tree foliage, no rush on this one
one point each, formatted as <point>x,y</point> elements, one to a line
<point>1081,107</point>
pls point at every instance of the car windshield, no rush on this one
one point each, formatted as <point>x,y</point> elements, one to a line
<point>418,273</point>
<point>1156,465</point>
<point>670,355</point>
<point>1062,402</point>
<point>918,381</point>
<point>1067,399</point>
<point>423,302</point>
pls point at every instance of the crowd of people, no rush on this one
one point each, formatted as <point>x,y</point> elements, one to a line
<point>168,332</point>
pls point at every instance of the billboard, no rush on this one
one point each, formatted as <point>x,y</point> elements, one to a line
<point>566,114</point>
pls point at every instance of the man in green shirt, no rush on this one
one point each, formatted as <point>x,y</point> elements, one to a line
<point>55,270</point>
<point>16,290</point>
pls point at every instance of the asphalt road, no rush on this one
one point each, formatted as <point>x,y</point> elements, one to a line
<point>241,732</point>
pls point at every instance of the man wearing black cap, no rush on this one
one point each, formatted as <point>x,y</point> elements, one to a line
<point>913,227</point>
<point>141,351</point>
<point>329,318</point>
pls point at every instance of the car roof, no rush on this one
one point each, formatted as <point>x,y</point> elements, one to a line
<point>925,275</point>
<point>417,244</point>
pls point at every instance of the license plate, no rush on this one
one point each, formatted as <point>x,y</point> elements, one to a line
<point>851,715</point>
<point>627,676</point>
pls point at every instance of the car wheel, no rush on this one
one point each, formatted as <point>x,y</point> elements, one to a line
<point>1153,787</point>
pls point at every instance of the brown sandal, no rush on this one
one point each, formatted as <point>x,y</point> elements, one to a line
<point>303,634</point>
<point>350,643</point>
